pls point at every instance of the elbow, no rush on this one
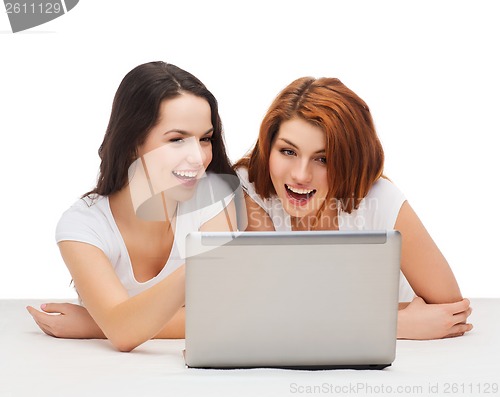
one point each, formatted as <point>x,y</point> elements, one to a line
<point>445,298</point>
<point>123,344</point>
<point>124,349</point>
<point>122,338</point>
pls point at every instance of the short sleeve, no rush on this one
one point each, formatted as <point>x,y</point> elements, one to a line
<point>249,188</point>
<point>272,205</point>
<point>379,210</point>
<point>79,223</point>
<point>388,200</point>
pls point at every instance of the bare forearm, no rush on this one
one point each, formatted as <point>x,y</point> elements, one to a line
<point>175,328</point>
<point>423,264</point>
<point>144,316</point>
<point>126,321</point>
<point>445,288</point>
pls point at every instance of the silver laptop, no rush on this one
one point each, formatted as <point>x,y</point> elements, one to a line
<point>308,300</point>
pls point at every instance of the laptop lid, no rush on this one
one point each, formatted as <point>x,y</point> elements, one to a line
<point>322,299</point>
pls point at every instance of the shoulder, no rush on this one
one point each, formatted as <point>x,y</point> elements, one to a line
<point>242,173</point>
<point>385,190</point>
<point>84,209</point>
<point>87,220</point>
<point>259,207</point>
<point>249,189</point>
<point>87,208</point>
<point>378,210</point>
<point>384,201</point>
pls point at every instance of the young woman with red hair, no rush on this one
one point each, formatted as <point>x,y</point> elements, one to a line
<point>318,165</point>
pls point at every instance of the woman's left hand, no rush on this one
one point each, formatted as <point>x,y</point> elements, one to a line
<point>66,320</point>
<point>423,321</point>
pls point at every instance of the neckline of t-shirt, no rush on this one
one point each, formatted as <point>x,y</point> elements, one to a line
<point>130,269</point>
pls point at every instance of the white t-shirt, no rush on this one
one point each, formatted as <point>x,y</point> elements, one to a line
<point>91,221</point>
<point>377,211</point>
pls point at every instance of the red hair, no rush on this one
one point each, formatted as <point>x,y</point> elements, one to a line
<point>354,154</point>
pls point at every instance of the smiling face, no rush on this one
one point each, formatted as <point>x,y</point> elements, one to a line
<point>178,149</point>
<point>297,166</point>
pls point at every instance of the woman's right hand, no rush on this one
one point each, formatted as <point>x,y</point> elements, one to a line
<point>66,320</point>
<point>423,321</point>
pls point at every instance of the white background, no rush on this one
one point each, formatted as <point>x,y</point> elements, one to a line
<point>429,70</point>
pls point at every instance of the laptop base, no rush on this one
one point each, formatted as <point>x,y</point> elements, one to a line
<point>295,367</point>
<point>304,367</point>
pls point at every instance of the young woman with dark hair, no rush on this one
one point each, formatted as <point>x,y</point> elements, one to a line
<point>123,242</point>
<point>318,165</point>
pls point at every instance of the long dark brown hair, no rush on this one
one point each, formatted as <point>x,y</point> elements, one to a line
<point>354,154</point>
<point>135,112</point>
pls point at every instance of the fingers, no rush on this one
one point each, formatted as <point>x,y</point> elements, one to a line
<point>31,310</point>
<point>60,308</point>
<point>55,308</point>
<point>39,318</point>
<point>459,330</point>
<point>35,313</point>
<point>461,311</point>
<point>460,306</point>
<point>452,336</point>
<point>462,317</point>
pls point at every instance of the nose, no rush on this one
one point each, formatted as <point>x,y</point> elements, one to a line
<point>301,172</point>
<point>195,155</point>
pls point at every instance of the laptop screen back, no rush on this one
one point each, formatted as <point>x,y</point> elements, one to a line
<point>292,299</point>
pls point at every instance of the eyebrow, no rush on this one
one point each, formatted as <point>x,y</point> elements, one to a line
<point>322,151</point>
<point>186,133</point>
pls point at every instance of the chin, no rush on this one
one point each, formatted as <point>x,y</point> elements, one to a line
<point>297,213</point>
<point>180,194</point>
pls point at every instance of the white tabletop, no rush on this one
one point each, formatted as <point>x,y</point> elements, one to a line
<point>34,364</point>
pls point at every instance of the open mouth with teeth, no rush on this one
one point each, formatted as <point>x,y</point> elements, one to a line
<point>186,177</point>
<point>300,195</point>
